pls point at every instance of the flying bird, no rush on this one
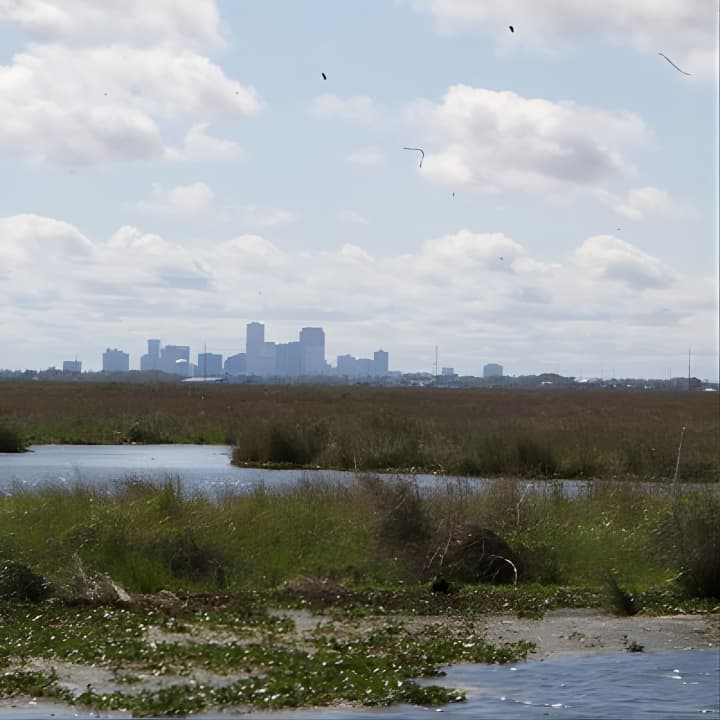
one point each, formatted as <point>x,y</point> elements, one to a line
<point>673,64</point>
<point>324,76</point>
<point>512,29</point>
<point>420,150</point>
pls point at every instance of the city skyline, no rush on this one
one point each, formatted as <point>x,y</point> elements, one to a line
<point>174,166</point>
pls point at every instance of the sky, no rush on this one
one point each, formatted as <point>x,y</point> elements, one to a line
<point>177,169</point>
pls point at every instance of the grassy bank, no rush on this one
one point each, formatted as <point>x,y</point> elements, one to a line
<point>372,532</point>
<point>568,433</point>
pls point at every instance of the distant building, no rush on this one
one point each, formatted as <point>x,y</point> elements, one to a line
<point>380,363</point>
<point>209,365</point>
<point>492,370</point>
<point>151,360</point>
<point>312,351</point>
<point>72,367</point>
<point>347,365</point>
<point>254,345</point>
<point>115,361</point>
<point>175,359</point>
<point>236,364</point>
<point>364,367</point>
<point>287,359</point>
<point>449,371</point>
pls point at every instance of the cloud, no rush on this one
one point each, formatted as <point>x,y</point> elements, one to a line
<point>138,22</point>
<point>351,217</point>
<point>266,217</point>
<point>501,141</point>
<point>644,202</point>
<point>359,109</point>
<point>200,145</point>
<point>453,290</point>
<point>92,103</point>
<point>367,157</point>
<point>605,256</point>
<point>194,199</point>
<point>686,31</point>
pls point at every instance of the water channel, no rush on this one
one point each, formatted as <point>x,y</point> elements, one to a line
<point>199,468</point>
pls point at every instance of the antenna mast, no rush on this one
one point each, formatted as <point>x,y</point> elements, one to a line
<point>435,365</point>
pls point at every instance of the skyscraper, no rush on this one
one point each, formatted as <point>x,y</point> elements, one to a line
<point>312,351</point>
<point>380,363</point>
<point>115,361</point>
<point>254,348</point>
<point>151,360</point>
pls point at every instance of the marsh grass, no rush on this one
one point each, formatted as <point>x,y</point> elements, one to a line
<point>370,532</point>
<point>524,433</point>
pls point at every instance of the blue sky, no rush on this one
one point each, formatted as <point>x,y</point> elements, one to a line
<point>180,168</point>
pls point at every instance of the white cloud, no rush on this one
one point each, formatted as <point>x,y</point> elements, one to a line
<point>605,256</point>
<point>194,199</point>
<point>96,103</point>
<point>137,22</point>
<point>199,145</point>
<point>687,31</point>
<point>351,217</point>
<point>266,217</point>
<point>367,157</point>
<point>502,141</point>
<point>479,294</point>
<point>359,109</point>
<point>640,203</point>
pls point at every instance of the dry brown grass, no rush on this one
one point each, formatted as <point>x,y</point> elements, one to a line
<point>571,433</point>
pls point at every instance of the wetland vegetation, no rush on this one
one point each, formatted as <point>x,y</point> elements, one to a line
<point>464,432</point>
<point>184,602</point>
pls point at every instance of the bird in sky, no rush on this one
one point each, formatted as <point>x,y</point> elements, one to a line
<point>420,150</point>
<point>673,64</point>
<point>324,76</point>
<point>512,29</point>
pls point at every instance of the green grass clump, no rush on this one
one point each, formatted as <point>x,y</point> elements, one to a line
<point>367,533</point>
<point>11,440</point>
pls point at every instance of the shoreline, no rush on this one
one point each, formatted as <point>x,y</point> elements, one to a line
<point>580,632</point>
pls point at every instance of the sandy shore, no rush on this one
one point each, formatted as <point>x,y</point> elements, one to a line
<point>559,631</point>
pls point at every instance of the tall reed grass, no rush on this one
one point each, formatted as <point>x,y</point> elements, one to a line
<point>372,531</point>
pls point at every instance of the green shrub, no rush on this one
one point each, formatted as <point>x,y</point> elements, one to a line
<point>11,440</point>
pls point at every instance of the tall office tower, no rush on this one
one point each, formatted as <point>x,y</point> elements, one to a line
<point>287,359</point>
<point>254,347</point>
<point>151,360</point>
<point>380,363</point>
<point>175,359</point>
<point>209,365</point>
<point>312,351</point>
<point>347,365</point>
<point>492,370</point>
<point>115,361</point>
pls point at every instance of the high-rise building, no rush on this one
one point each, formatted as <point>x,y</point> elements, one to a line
<point>236,364</point>
<point>380,363</point>
<point>175,359</point>
<point>72,367</point>
<point>312,351</point>
<point>254,347</point>
<point>347,365</point>
<point>151,360</point>
<point>209,365</point>
<point>492,370</point>
<point>115,361</point>
<point>287,359</point>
